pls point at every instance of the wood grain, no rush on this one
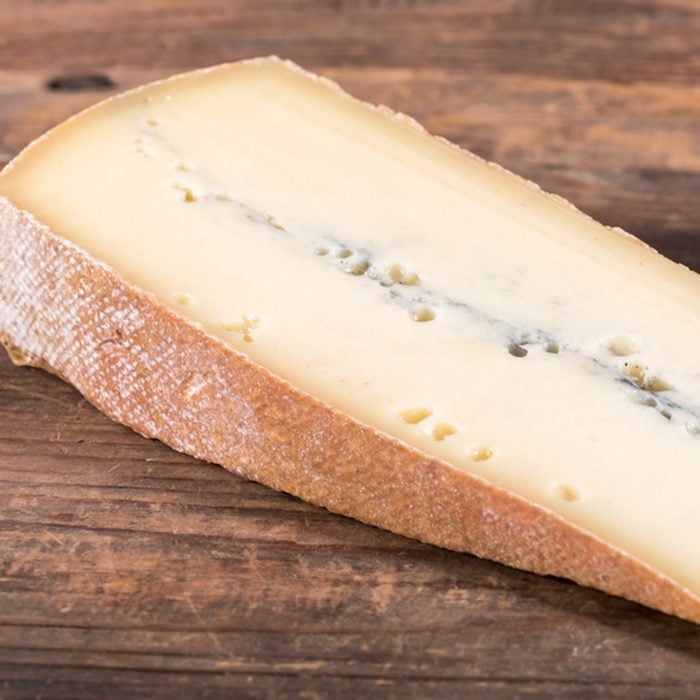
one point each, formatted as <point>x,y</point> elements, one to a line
<point>127,570</point>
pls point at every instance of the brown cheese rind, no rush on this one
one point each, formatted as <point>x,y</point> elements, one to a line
<point>153,370</point>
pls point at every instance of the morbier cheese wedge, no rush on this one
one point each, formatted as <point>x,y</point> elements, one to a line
<point>263,272</point>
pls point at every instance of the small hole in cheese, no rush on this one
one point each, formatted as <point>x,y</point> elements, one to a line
<point>481,453</point>
<point>152,121</point>
<point>344,253</point>
<point>635,371</point>
<point>415,415</point>
<point>248,323</point>
<point>552,347</point>
<point>568,493</point>
<point>322,250</point>
<point>183,298</point>
<point>443,430</point>
<point>656,384</point>
<point>423,314</point>
<point>517,350</point>
<point>359,268</point>
<point>621,346</point>
<point>274,223</point>
<point>398,274</point>
<point>187,194</point>
<point>643,399</point>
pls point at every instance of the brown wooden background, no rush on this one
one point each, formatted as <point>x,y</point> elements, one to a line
<point>127,570</point>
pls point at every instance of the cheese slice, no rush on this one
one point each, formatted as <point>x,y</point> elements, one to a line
<point>416,288</point>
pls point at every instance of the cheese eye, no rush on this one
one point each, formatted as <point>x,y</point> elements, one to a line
<point>415,415</point>
<point>568,493</point>
<point>423,314</point>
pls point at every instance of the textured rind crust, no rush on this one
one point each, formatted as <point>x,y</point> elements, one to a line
<point>151,369</point>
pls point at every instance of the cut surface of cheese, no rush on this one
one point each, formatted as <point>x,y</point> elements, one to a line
<point>409,284</point>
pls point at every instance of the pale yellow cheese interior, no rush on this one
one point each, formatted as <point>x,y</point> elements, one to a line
<point>404,282</point>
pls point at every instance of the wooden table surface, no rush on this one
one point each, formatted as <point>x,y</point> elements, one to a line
<point>127,570</point>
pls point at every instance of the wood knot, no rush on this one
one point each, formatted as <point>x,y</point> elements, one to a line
<point>80,83</point>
